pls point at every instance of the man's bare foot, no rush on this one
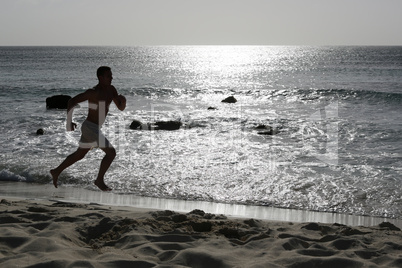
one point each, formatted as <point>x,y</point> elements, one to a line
<point>101,185</point>
<point>55,177</point>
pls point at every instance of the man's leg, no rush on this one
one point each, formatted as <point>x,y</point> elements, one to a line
<point>105,164</point>
<point>71,159</point>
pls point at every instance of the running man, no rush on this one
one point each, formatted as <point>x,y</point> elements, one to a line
<point>99,99</point>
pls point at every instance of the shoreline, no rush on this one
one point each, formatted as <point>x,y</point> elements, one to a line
<point>54,233</point>
<point>23,190</point>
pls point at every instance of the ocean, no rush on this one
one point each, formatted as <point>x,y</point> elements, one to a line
<point>335,114</point>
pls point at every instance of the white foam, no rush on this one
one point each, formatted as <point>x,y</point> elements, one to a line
<point>6,175</point>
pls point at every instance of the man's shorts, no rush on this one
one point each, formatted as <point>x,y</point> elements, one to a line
<point>92,136</point>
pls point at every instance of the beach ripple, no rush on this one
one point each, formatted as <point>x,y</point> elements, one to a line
<point>56,234</point>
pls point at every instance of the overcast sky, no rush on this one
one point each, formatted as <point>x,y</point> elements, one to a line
<point>200,22</point>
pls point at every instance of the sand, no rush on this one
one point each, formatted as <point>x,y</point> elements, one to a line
<point>44,233</point>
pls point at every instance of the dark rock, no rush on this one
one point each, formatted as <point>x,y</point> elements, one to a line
<point>212,108</point>
<point>159,125</point>
<point>40,132</point>
<point>268,130</point>
<point>168,125</point>
<point>57,102</point>
<point>230,99</point>
<point>262,126</point>
<point>135,124</point>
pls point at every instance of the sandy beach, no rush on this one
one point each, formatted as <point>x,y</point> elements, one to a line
<point>45,233</point>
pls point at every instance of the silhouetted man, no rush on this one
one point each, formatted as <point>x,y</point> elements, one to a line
<point>99,98</point>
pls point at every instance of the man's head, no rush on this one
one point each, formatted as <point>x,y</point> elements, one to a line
<point>104,74</point>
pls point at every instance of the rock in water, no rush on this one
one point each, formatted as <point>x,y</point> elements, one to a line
<point>168,125</point>
<point>57,102</point>
<point>135,124</point>
<point>230,99</point>
<point>159,125</point>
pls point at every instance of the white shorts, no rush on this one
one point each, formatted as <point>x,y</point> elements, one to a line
<point>92,136</point>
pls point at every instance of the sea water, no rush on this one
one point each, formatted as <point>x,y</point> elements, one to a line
<point>335,112</point>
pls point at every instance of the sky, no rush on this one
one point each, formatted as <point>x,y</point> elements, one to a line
<point>200,22</point>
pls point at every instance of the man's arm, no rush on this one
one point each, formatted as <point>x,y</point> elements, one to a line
<point>119,100</point>
<point>70,108</point>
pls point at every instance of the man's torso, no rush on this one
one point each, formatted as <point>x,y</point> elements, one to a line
<point>99,101</point>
